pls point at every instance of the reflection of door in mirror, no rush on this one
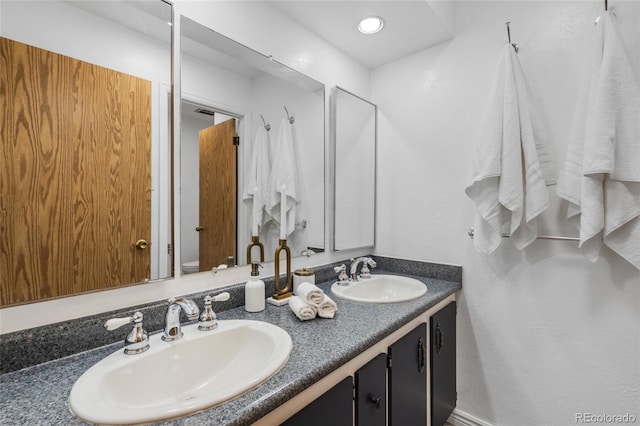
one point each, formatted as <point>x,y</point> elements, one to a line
<point>218,194</point>
<point>76,195</point>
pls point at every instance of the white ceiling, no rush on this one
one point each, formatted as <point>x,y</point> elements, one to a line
<point>410,26</point>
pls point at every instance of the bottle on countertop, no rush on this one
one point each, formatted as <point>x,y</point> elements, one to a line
<point>254,293</point>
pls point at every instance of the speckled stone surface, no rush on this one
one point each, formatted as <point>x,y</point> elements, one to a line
<point>38,394</point>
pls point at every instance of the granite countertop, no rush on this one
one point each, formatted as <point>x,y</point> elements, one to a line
<point>39,394</point>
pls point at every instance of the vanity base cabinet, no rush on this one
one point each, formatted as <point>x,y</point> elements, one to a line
<point>408,379</point>
<point>443,364</point>
<point>371,392</point>
<point>334,407</point>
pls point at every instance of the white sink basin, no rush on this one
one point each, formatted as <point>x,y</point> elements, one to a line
<point>173,379</point>
<point>381,289</point>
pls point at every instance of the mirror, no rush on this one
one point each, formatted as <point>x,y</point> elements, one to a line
<point>354,148</point>
<point>228,91</point>
<point>86,146</point>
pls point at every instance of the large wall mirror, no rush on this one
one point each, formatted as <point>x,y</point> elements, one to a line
<point>237,107</point>
<point>85,174</point>
<point>354,148</point>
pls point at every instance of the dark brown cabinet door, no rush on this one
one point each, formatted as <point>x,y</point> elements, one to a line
<point>334,407</point>
<point>443,364</point>
<point>371,392</point>
<point>408,379</point>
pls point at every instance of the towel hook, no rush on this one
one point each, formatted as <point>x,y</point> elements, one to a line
<point>606,5</point>
<point>266,125</point>
<point>289,117</point>
<point>515,46</point>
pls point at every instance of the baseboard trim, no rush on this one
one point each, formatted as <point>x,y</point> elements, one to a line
<point>460,418</point>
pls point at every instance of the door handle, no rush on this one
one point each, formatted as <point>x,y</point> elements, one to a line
<point>439,339</point>
<point>377,402</point>
<point>199,228</point>
<point>421,355</point>
<point>142,244</point>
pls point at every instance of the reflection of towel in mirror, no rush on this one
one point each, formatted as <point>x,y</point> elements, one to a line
<point>512,162</point>
<point>284,171</point>
<point>304,311</point>
<point>601,174</point>
<point>257,176</point>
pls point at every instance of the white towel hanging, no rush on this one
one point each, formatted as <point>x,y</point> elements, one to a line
<point>601,174</point>
<point>512,163</point>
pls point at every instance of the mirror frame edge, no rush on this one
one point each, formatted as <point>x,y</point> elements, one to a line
<point>333,158</point>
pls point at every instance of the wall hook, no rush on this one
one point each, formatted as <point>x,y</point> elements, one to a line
<point>266,125</point>
<point>289,117</point>
<point>515,46</point>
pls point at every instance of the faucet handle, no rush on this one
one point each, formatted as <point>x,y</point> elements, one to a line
<point>343,278</point>
<point>208,318</point>
<point>137,341</point>
<point>365,272</point>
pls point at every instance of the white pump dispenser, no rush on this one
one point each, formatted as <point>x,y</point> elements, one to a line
<point>254,294</point>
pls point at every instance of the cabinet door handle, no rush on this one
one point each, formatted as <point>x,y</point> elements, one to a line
<point>377,402</point>
<point>421,355</point>
<point>439,339</point>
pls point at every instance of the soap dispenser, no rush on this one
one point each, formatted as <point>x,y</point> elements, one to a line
<point>254,293</point>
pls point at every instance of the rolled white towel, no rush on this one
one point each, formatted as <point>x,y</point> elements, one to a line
<point>304,311</point>
<point>310,293</point>
<point>327,308</point>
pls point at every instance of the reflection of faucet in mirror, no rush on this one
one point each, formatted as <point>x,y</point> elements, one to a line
<point>365,273</point>
<point>172,328</point>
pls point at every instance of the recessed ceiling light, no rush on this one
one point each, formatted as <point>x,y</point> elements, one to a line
<point>371,25</point>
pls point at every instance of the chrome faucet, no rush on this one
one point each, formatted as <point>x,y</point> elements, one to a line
<point>365,273</point>
<point>343,278</point>
<point>137,341</point>
<point>172,328</point>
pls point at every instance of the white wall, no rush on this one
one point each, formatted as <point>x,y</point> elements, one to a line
<point>542,334</point>
<point>265,29</point>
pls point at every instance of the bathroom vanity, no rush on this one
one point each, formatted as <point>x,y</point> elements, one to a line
<point>332,360</point>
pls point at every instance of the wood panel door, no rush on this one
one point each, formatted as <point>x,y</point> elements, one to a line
<point>218,194</point>
<point>75,175</point>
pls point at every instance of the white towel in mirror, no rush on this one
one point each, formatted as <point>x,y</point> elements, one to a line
<point>256,186</point>
<point>284,171</point>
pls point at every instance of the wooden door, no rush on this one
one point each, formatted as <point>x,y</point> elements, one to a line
<point>218,194</point>
<point>75,175</point>
<point>443,364</point>
<point>408,379</point>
